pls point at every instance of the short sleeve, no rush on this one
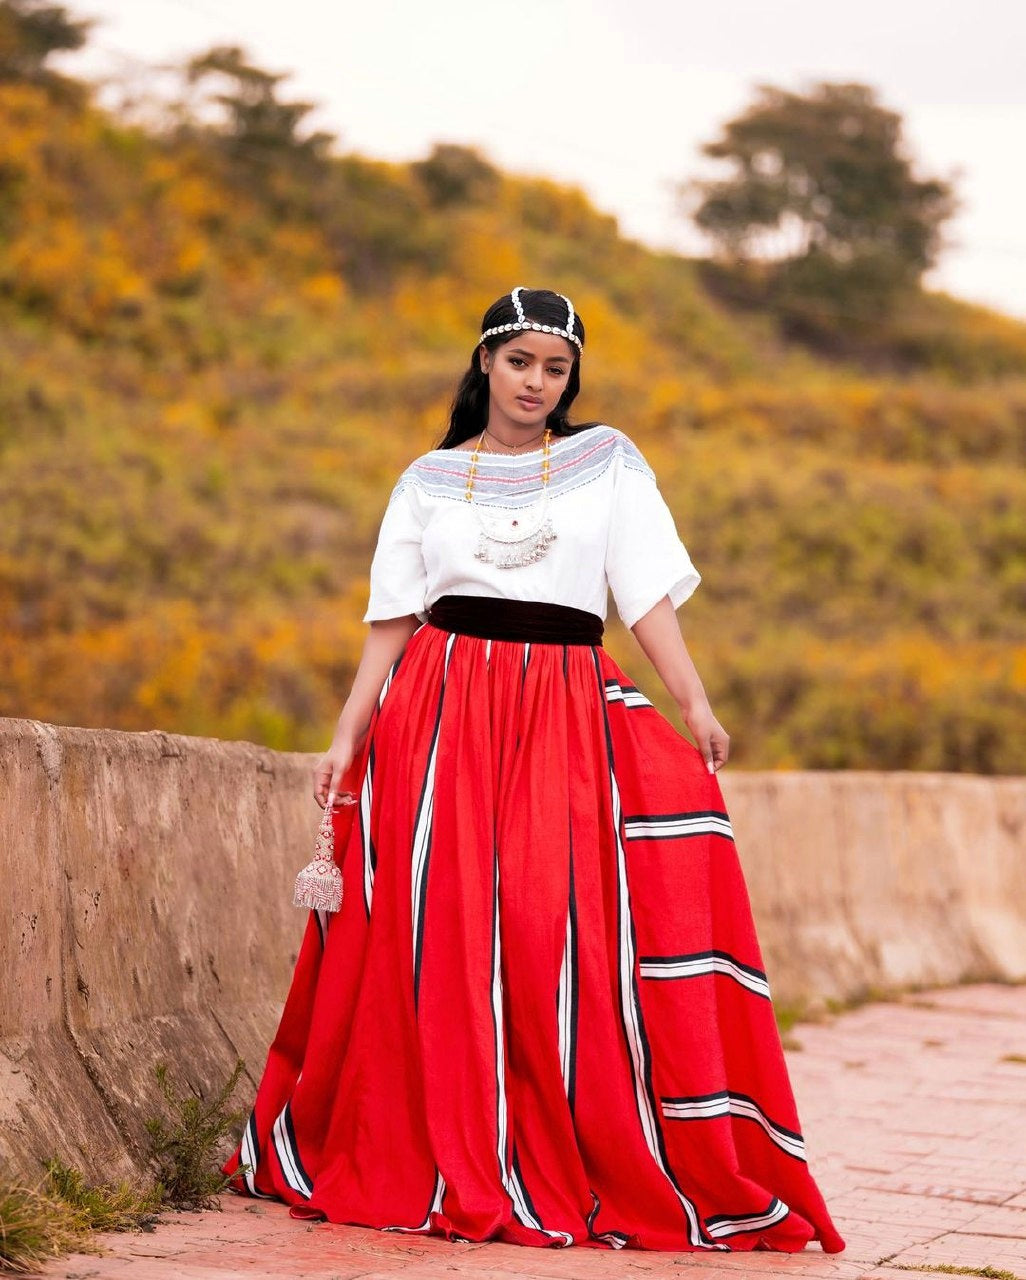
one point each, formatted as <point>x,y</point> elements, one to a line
<point>645,557</point>
<point>398,579</point>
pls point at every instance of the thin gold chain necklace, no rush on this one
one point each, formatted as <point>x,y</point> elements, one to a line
<point>489,449</point>
<point>514,539</point>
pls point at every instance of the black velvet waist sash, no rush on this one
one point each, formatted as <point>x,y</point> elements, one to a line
<point>497,618</point>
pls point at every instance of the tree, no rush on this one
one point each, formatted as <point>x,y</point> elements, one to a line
<point>452,174</point>
<point>256,127</point>
<point>823,208</point>
<point>30,32</point>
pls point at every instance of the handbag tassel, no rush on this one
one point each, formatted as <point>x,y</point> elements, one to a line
<point>319,884</point>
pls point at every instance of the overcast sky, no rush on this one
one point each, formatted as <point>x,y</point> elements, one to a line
<point>616,96</point>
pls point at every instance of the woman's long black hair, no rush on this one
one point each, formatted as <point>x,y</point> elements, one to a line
<point>469,413</point>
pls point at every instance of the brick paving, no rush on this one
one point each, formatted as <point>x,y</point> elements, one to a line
<point>914,1116</point>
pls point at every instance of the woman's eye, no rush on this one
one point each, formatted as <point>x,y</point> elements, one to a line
<point>518,360</point>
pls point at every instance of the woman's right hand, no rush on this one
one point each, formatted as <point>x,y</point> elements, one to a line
<point>385,642</point>
<point>327,776</point>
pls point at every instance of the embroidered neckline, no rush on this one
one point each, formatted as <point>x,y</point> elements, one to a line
<point>531,456</point>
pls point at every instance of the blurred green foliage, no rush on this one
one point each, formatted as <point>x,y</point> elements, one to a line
<point>210,380</point>
<point>822,178</point>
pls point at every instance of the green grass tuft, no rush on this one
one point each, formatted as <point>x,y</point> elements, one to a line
<point>949,1269</point>
<point>36,1227</point>
<point>184,1146</point>
<point>792,1012</point>
<point>104,1207</point>
<point>64,1212</point>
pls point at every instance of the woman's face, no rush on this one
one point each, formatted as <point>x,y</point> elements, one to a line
<point>526,377</point>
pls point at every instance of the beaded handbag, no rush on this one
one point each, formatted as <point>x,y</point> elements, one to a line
<point>319,884</point>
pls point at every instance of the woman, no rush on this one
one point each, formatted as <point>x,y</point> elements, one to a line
<point>541,1015</point>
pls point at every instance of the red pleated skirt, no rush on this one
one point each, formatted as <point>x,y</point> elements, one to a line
<point>541,1015</point>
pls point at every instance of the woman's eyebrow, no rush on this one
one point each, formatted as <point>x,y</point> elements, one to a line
<point>522,351</point>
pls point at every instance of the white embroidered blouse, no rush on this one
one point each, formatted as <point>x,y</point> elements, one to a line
<point>613,529</point>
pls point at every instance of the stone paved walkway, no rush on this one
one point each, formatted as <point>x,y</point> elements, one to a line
<point>914,1116</point>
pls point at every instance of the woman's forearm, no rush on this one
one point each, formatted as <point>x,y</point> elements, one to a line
<point>385,641</point>
<point>658,633</point>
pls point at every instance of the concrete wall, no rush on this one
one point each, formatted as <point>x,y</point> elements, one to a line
<point>147,877</point>
<point>863,881</point>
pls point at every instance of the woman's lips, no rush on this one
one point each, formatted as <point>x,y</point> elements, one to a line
<point>529,401</point>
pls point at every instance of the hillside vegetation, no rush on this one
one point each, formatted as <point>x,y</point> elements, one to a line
<point>213,367</point>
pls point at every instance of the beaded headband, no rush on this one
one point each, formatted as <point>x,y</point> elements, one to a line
<point>523,323</point>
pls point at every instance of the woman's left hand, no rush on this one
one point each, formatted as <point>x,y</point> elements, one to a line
<point>710,736</point>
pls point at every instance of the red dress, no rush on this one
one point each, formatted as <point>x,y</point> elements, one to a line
<point>541,1015</point>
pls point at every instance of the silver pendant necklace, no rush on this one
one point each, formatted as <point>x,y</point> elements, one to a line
<point>516,538</point>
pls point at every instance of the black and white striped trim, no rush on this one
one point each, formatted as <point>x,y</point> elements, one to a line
<point>727,1102</point>
<point>419,863</point>
<point>616,1238</point>
<point>388,678</point>
<point>370,855</point>
<point>673,826</point>
<point>630,1006</point>
<point>698,963</point>
<point>425,1227</point>
<point>523,682</point>
<point>509,1170</point>
<point>498,1027</point>
<point>567,995</point>
<point>283,1135</point>
<point>629,694</point>
<point>732,1224</point>
<point>421,851</point>
<point>523,1206</point>
<point>249,1155</point>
